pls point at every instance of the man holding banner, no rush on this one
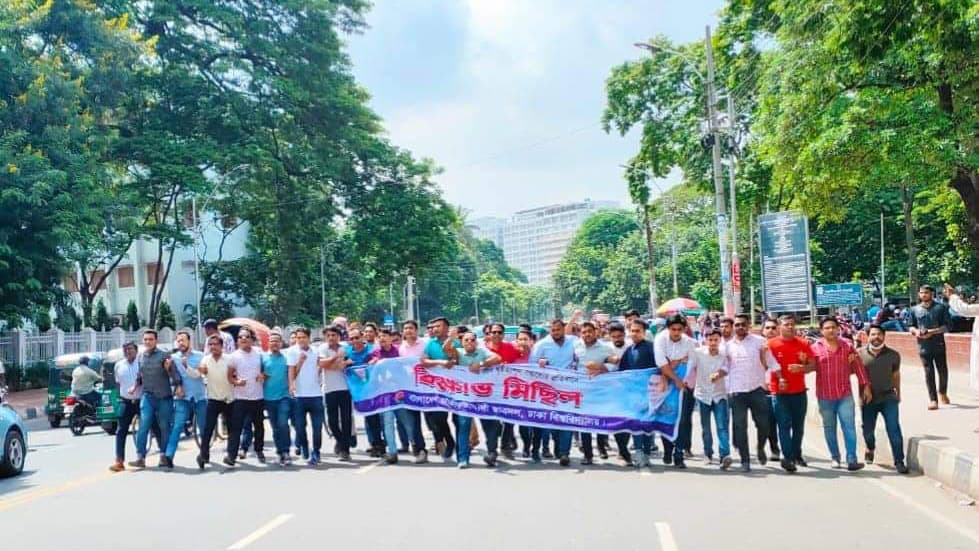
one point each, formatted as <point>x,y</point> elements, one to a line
<point>557,351</point>
<point>476,359</point>
<point>673,348</point>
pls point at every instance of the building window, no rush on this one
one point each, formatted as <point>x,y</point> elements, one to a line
<point>126,277</point>
<point>228,221</point>
<point>151,274</point>
<point>95,278</point>
<point>70,285</point>
<point>188,266</point>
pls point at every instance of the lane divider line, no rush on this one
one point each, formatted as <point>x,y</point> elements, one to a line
<point>910,502</point>
<point>27,497</point>
<point>261,532</point>
<point>666,541</point>
<point>367,468</point>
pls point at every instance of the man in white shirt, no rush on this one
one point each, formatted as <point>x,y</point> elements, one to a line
<point>305,383</point>
<point>220,395</point>
<point>126,373</point>
<point>751,364</point>
<point>597,358</point>
<point>245,373</point>
<point>706,368</point>
<point>673,348</point>
<point>339,405</point>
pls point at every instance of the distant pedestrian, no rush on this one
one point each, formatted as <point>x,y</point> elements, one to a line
<point>929,322</point>
<point>883,365</point>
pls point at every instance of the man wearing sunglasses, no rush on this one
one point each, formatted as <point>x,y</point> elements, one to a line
<point>509,354</point>
<point>245,373</point>
<point>750,363</point>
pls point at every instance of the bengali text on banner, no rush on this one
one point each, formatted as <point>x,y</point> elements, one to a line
<point>626,401</point>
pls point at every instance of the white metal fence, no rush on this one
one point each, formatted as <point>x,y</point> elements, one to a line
<point>20,348</point>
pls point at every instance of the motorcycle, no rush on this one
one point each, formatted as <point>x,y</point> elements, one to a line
<point>80,414</point>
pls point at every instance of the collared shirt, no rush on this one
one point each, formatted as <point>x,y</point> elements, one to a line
<point>308,381</point>
<point>466,359</point>
<point>597,352</point>
<point>333,379</point>
<point>561,356</point>
<point>619,350</point>
<point>786,353</point>
<point>156,381</point>
<point>638,356</point>
<point>747,370</point>
<point>126,375</point>
<point>412,350</point>
<point>248,366</point>
<point>277,376</point>
<point>880,371</point>
<point>506,351</point>
<point>930,318</point>
<point>194,388</point>
<point>83,379</point>
<point>379,353</point>
<point>218,386</point>
<point>360,357</point>
<point>701,364</point>
<point>433,349</point>
<point>833,370</point>
<point>667,349</point>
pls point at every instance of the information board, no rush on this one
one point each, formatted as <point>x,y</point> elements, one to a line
<point>784,246</point>
<point>839,294</point>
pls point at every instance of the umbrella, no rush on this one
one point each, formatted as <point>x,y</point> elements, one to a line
<point>680,305</point>
<point>232,325</point>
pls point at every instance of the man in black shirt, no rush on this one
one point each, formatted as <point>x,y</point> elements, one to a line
<point>883,367</point>
<point>929,322</point>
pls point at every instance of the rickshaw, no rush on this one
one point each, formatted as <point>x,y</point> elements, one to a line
<point>59,391</point>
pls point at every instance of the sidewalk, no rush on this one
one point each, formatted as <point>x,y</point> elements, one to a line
<point>941,444</point>
<point>26,400</point>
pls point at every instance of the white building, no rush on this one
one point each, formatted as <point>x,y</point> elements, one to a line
<point>489,227</point>
<point>535,240</point>
<point>133,278</point>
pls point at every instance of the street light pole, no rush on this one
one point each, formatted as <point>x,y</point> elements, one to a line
<point>735,258</point>
<point>676,285</point>
<point>714,128</point>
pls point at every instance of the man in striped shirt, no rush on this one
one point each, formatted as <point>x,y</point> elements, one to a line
<point>836,361</point>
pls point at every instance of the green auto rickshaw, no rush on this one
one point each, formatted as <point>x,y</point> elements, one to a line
<point>59,390</point>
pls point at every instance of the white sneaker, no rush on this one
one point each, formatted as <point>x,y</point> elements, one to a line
<point>643,461</point>
<point>836,464</point>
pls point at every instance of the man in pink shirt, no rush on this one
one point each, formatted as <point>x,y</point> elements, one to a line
<point>836,361</point>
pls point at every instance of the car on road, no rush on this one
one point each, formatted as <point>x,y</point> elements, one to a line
<point>13,434</point>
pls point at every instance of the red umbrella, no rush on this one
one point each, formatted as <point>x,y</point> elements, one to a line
<point>680,305</point>
<point>232,325</point>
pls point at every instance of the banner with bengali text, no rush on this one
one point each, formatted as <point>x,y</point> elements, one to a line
<point>627,401</point>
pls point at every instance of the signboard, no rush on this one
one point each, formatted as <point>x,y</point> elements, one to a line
<point>784,246</point>
<point>736,276</point>
<point>389,320</point>
<point>839,294</point>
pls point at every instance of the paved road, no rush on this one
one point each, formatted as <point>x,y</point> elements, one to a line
<point>67,498</point>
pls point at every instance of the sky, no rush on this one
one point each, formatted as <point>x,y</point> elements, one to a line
<point>507,95</point>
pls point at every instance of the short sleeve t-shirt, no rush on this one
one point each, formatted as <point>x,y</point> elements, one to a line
<point>433,350</point>
<point>218,386</point>
<point>466,359</point>
<point>787,353</point>
<point>379,353</point>
<point>361,357</point>
<point>277,376</point>
<point>248,366</point>
<point>507,352</point>
<point>308,384</point>
<point>333,379</point>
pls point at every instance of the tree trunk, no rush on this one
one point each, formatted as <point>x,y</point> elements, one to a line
<point>906,201</point>
<point>966,183</point>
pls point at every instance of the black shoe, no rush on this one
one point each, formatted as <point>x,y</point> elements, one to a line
<point>200,462</point>
<point>404,449</point>
<point>868,456</point>
<point>490,459</point>
<point>788,466</point>
<point>565,461</point>
<point>586,461</point>
<point>526,452</point>
<point>667,459</point>
<point>298,452</point>
<point>679,463</point>
<point>726,462</point>
<point>603,454</point>
<point>745,467</point>
<point>260,456</point>
<point>800,462</point>
<point>508,453</point>
<point>548,455</point>
<point>391,459</point>
<point>762,458</point>
<point>228,461</point>
<point>854,466</point>
<point>242,454</point>
<point>776,456</point>
<point>373,453</point>
<point>304,452</point>
<point>534,457</point>
<point>901,467</point>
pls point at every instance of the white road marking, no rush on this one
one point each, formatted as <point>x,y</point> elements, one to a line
<point>645,473</point>
<point>367,468</point>
<point>254,536</point>
<point>666,541</point>
<point>910,502</point>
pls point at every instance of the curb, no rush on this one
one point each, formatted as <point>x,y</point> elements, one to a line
<point>951,466</point>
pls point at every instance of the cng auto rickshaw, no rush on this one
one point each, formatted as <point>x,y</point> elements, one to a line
<point>59,391</point>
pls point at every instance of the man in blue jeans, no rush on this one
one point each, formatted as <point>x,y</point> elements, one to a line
<point>305,383</point>
<point>474,358</point>
<point>160,382</point>
<point>187,361</point>
<point>555,351</point>
<point>706,368</point>
<point>883,367</point>
<point>278,404</point>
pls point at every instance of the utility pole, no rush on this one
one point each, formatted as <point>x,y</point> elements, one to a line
<point>883,294</point>
<point>714,128</point>
<point>735,259</point>
<point>391,298</point>
<point>751,265</point>
<point>648,228</point>
<point>676,284</point>
<point>197,270</point>
<point>476,306</point>
<point>323,283</point>
<point>410,302</point>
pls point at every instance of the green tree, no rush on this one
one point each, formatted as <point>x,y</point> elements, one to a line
<point>132,316</point>
<point>165,318</point>
<point>102,320</point>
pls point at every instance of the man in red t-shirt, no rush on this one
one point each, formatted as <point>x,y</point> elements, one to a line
<point>796,358</point>
<point>509,354</point>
